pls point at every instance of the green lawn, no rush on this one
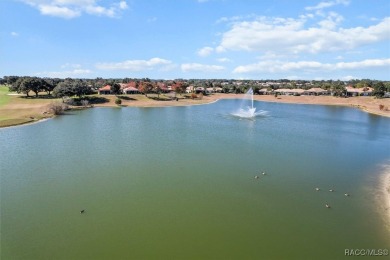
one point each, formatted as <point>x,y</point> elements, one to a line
<point>4,98</point>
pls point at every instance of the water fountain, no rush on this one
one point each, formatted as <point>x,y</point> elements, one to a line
<point>249,111</point>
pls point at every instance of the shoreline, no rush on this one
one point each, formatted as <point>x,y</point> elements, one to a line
<point>383,200</point>
<point>366,104</point>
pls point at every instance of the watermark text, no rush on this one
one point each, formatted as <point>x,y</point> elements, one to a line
<point>366,252</point>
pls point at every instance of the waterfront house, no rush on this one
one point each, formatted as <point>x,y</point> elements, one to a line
<point>199,90</point>
<point>353,92</point>
<point>289,92</point>
<point>209,90</point>
<point>131,90</point>
<point>265,91</point>
<point>106,90</point>
<point>316,92</point>
<point>190,89</point>
<point>218,90</point>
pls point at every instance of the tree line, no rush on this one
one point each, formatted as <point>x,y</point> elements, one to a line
<point>80,87</point>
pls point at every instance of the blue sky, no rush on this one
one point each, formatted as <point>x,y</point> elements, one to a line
<point>161,39</point>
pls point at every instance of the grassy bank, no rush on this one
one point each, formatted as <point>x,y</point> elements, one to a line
<point>4,98</point>
<point>17,109</point>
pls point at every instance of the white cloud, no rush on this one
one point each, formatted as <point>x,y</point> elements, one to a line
<point>123,5</point>
<point>14,34</point>
<point>224,60</point>
<point>327,4</point>
<point>98,10</point>
<point>136,65</point>
<point>273,66</point>
<point>206,51</point>
<point>196,67</point>
<point>270,55</point>
<point>235,18</point>
<point>73,8</point>
<point>289,36</point>
<point>76,73</point>
<point>59,11</point>
<point>347,78</point>
<point>151,19</point>
<point>220,49</point>
<point>331,21</point>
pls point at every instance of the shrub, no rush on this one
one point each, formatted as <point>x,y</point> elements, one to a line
<point>69,101</point>
<point>58,108</point>
<point>193,95</point>
<point>118,101</point>
<point>84,103</point>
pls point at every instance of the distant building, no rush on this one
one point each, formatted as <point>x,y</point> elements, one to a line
<point>352,92</point>
<point>106,90</point>
<point>316,92</point>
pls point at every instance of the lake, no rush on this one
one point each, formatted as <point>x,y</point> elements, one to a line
<point>178,183</point>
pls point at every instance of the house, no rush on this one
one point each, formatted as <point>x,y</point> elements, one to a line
<point>290,92</point>
<point>353,92</point>
<point>265,91</point>
<point>131,90</point>
<point>106,90</point>
<point>209,90</point>
<point>199,90</point>
<point>218,89</point>
<point>163,87</point>
<point>190,89</point>
<point>316,92</point>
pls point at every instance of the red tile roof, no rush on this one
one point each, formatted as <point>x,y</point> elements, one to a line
<point>105,88</point>
<point>127,85</point>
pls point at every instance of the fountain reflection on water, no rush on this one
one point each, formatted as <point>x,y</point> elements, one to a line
<point>246,111</point>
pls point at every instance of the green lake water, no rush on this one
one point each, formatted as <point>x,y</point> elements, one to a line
<point>178,183</point>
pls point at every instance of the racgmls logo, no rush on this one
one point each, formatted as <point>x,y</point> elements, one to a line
<point>366,252</point>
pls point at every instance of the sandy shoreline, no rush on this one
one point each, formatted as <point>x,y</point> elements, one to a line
<point>384,194</point>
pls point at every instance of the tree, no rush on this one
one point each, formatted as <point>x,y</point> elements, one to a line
<point>379,89</point>
<point>63,89</point>
<point>115,88</point>
<point>50,84</point>
<point>80,88</point>
<point>157,89</point>
<point>338,88</point>
<point>225,89</point>
<point>33,84</point>
<point>179,88</point>
<point>15,86</point>
<point>10,80</point>
<point>145,87</point>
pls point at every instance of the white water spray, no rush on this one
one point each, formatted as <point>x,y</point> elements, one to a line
<point>249,111</point>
